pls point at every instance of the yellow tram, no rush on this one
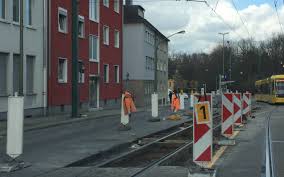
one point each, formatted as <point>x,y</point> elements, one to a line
<point>270,90</point>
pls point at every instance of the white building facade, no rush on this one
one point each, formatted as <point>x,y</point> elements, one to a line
<point>34,62</point>
<point>141,39</point>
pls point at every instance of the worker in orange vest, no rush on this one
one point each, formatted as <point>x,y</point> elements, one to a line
<point>129,106</point>
<point>175,105</point>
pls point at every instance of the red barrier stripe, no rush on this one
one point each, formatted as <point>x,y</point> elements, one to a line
<point>226,113</point>
<point>229,131</point>
<point>205,155</point>
<point>236,108</point>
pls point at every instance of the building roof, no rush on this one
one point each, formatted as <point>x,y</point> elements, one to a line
<point>131,16</point>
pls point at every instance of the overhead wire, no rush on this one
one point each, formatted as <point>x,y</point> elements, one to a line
<point>216,5</point>
<point>223,20</point>
<point>209,6</point>
<point>242,20</point>
<point>277,13</point>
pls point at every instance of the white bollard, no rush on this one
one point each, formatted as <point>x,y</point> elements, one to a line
<point>181,98</point>
<point>124,118</point>
<point>202,91</point>
<point>15,126</point>
<point>191,100</point>
<point>155,108</point>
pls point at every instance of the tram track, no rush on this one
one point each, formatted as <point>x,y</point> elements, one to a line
<point>154,150</point>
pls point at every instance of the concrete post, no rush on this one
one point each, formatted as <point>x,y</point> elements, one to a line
<point>191,100</point>
<point>124,120</point>
<point>15,126</point>
<point>181,97</point>
<point>155,107</point>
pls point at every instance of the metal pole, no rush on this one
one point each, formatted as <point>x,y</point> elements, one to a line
<point>230,50</point>
<point>223,56</point>
<point>75,95</point>
<point>156,67</point>
<point>223,34</point>
<point>21,69</point>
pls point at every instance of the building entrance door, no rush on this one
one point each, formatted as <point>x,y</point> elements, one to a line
<point>94,96</point>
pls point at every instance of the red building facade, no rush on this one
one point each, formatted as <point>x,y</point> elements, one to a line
<point>100,54</point>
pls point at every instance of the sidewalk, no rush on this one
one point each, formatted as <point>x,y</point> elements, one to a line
<point>56,120</point>
<point>246,157</point>
<point>277,140</point>
<point>51,149</point>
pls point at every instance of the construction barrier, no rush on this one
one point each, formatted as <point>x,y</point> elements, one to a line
<point>247,104</point>
<point>227,114</point>
<point>238,109</point>
<point>202,129</point>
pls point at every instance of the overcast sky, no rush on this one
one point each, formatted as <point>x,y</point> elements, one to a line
<point>202,25</point>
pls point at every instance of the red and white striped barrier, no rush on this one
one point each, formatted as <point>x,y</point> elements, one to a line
<point>238,108</point>
<point>202,135</point>
<point>247,104</point>
<point>227,114</point>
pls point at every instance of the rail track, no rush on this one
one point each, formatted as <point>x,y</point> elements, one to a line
<point>159,151</point>
<point>154,150</point>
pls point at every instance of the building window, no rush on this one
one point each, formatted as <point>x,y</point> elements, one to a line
<point>116,74</point>
<point>30,66</point>
<point>94,10</point>
<point>116,6</point>
<point>29,12</point>
<point>3,73</point>
<point>81,78</point>
<point>16,11</point>
<point>94,48</point>
<point>81,26</point>
<point>116,39</point>
<point>106,73</point>
<point>106,35</point>
<point>16,69</point>
<point>2,9</point>
<point>149,37</point>
<point>149,63</point>
<point>62,20</point>
<point>106,3</point>
<point>62,70</point>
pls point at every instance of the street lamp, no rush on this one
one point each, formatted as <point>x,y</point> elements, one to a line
<point>180,32</point>
<point>223,34</point>
<point>156,57</point>
<point>155,94</point>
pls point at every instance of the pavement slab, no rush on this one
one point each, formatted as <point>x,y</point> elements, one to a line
<point>277,138</point>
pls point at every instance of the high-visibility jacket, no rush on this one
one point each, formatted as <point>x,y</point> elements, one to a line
<point>175,103</point>
<point>129,105</point>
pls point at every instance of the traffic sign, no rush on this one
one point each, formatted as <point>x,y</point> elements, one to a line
<point>202,110</point>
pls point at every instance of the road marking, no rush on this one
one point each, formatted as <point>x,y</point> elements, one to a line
<point>261,113</point>
<point>277,141</point>
<point>217,156</point>
<point>221,151</point>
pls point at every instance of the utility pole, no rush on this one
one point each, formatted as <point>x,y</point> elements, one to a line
<point>223,34</point>
<point>156,65</point>
<point>21,69</point>
<point>230,60</point>
<point>75,95</point>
